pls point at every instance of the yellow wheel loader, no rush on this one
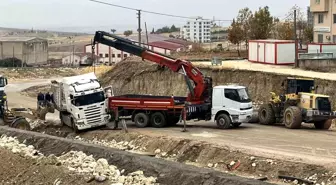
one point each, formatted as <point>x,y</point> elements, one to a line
<point>298,103</point>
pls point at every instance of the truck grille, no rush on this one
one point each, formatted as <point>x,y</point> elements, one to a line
<point>92,115</point>
<point>323,104</point>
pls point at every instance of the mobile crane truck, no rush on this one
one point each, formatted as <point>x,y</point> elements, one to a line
<point>227,105</point>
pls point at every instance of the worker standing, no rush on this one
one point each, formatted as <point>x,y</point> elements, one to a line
<point>40,99</point>
<point>47,98</point>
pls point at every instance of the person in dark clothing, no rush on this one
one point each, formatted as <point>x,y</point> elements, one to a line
<point>40,99</point>
<point>47,97</point>
<point>52,98</point>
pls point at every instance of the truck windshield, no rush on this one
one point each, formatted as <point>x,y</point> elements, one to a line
<point>88,99</point>
<point>244,97</point>
<point>239,95</point>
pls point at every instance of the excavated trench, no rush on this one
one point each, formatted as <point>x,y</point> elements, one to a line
<point>168,172</point>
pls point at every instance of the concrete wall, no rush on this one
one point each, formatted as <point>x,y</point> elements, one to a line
<point>35,52</point>
<point>6,50</point>
<point>322,65</point>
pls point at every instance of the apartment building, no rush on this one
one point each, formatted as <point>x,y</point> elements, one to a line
<point>310,17</point>
<point>324,13</point>
<point>197,30</point>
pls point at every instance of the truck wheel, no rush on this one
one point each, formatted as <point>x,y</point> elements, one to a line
<point>223,121</point>
<point>74,126</point>
<point>266,114</point>
<point>158,120</point>
<point>323,125</point>
<point>293,117</point>
<point>61,118</point>
<point>141,120</point>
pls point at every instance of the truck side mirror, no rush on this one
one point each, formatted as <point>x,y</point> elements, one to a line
<point>6,81</point>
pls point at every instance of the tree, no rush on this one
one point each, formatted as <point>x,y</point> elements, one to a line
<point>236,34</point>
<point>309,33</point>
<point>113,30</point>
<point>128,33</point>
<point>153,31</point>
<point>301,23</point>
<point>243,18</point>
<point>285,31</point>
<point>261,24</point>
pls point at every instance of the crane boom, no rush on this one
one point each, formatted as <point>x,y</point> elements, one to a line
<point>202,90</point>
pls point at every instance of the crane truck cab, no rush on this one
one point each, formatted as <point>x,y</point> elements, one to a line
<point>231,105</point>
<point>81,101</point>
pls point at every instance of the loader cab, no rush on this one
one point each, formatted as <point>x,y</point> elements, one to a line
<point>3,81</point>
<point>296,85</point>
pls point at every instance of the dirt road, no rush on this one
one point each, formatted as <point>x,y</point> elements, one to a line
<point>306,145</point>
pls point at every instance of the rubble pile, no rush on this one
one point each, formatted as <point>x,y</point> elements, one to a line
<point>123,145</point>
<point>80,163</point>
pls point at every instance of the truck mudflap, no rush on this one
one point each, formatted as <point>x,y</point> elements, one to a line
<point>317,115</point>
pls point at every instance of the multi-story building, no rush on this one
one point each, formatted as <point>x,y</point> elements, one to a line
<point>197,30</point>
<point>310,17</point>
<point>324,13</point>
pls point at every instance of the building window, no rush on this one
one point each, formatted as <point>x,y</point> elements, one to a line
<point>119,55</point>
<point>100,55</point>
<point>106,55</point>
<point>113,55</point>
<point>317,1</point>
<point>334,18</point>
<point>125,55</point>
<point>320,18</point>
<point>320,38</point>
<point>334,38</point>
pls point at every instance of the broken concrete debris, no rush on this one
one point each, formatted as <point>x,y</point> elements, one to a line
<point>80,163</point>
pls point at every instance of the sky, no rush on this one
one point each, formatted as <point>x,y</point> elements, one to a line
<point>88,16</point>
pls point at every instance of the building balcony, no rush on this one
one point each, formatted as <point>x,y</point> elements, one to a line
<point>319,5</point>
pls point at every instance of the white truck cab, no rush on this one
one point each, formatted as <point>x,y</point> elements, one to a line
<point>81,101</point>
<point>231,105</point>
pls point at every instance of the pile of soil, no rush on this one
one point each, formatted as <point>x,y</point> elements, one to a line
<point>17,169</point>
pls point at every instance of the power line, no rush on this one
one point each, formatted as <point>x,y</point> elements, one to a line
<point>157,13</point>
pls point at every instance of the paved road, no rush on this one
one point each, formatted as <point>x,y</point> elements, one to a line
<point>306,144</point>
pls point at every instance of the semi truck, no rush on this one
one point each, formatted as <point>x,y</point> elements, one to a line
<point>80,101</point>
<point>226,105</point>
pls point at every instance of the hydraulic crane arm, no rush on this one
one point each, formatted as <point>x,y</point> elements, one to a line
<point>199,94</point>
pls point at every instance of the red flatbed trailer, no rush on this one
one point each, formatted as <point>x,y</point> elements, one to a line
<point>157,111</point>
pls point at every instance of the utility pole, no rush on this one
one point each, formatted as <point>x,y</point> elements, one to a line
<point>146,34</point>
<point>296,42</point>
<point>139,26</point>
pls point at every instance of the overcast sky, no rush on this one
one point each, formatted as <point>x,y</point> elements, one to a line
<point>84,15</point>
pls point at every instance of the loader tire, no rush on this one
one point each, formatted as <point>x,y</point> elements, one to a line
<point>266,114</point>
<point>158,120</point>
<point>141,120</point>
<point>323,125</point>
<point>293,117</point>
<point>20,123</point>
